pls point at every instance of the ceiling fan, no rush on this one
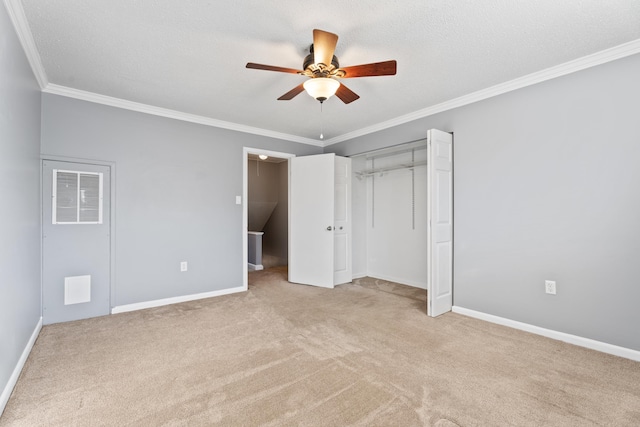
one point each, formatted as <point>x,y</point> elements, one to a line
<point>322,66</point>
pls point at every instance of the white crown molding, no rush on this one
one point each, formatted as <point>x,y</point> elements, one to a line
<point>19,20</point>
<point>550,333</point>
<point>608,55</point>
<point>172,114</point>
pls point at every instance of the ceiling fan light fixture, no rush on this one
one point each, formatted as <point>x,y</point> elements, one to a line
<point>321,88</point>
<point>323,69</point>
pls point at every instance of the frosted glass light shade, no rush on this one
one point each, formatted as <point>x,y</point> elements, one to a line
<point>321,88</point>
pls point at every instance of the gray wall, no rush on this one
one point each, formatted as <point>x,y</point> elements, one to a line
<point>546,187</point>
<point>262,188</point>
<point>19,192</point>
<point>395,247</point>
<point>276,231</point>
<point>176,184</point>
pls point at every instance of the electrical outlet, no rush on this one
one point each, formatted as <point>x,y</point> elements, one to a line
<point>183,266</point>
<point>550,287</point>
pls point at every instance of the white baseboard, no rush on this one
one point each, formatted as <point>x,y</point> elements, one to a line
<point>13,379</point>
<point>549,333</point>
<point>398,280</point>
<point>174,300</point>
<point>255,267</point>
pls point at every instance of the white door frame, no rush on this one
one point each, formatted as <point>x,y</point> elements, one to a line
<point>245,205</point>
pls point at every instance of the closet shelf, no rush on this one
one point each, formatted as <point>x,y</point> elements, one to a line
<point>381,170</point>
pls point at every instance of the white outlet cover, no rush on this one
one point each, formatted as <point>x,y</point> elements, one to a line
<point>550,287</point>
<point>184,266</point>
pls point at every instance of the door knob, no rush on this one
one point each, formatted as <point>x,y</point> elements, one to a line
<point>329,228</point>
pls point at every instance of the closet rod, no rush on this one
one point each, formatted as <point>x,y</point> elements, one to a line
<point>394,149</point>
<point>369,172</point>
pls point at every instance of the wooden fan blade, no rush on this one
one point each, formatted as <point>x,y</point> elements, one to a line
<point>386,68</point>
<point>346,95</point>
<point>292,93</point>
<point>271,68</point>
<point>324,45</point>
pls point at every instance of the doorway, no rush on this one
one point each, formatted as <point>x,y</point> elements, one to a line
<point>265,209</point>
<point>307,178</point>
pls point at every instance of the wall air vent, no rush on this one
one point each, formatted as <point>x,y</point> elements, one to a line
<point>77,197</point>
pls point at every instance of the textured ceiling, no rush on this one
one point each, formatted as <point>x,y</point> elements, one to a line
<point>190,55</point>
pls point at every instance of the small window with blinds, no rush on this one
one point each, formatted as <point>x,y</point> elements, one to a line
<point>77,197</point>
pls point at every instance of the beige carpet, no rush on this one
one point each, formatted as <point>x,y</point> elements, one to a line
<point>284,354</point>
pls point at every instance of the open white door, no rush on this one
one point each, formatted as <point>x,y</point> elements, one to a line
<point>440,217</point>
<point>311,220</point>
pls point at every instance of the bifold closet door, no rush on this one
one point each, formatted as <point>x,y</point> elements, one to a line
<point>440,217</point>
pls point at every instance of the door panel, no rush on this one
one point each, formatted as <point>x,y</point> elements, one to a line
<point>341,247</point>
<point>76,252</point>
<point>440,236</point>
<point>311,246</point>
<point>342,221</point>
<point>442,271</point>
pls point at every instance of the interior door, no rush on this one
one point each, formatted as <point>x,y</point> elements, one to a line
<point>75,241</point>
<point>342,221</point>
<point>440,217</point>
<point>311,220</point>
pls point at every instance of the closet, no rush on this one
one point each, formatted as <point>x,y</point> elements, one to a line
<point>393,187</point>
<point>403,216</point>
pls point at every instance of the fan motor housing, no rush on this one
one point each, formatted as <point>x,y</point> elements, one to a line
<point>310,65</point>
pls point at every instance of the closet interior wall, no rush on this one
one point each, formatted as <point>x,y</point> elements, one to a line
<point>390,214</point>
